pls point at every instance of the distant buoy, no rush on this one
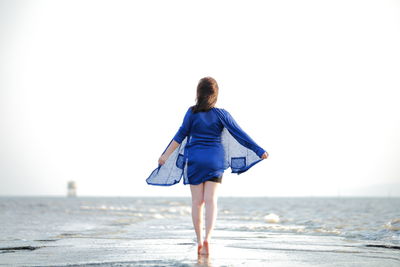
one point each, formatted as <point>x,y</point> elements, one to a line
<point>272,218</point>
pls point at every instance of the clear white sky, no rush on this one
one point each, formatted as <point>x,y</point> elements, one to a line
<point>93,91</point>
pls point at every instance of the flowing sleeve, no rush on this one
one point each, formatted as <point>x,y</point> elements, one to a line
<point>183,130</point>
<point>241,136</point>
<point>175,166</point>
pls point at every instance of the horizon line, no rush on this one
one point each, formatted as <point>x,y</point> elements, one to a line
<point>180,196</point>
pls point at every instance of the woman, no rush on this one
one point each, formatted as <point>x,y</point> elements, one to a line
<point>208,142</point>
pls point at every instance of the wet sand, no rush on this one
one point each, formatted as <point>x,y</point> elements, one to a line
<point>240,249</point>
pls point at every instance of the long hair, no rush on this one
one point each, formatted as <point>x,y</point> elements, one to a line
<point>207,94</point>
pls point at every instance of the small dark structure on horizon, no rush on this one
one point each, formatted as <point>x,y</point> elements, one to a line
<point>71,189</point>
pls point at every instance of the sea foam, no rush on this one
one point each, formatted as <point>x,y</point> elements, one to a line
<point>272,218</point>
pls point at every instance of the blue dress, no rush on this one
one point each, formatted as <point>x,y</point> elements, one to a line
<point>210,142</point>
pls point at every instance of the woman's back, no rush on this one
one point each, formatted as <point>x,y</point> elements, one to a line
<point>208,141</point>
<point>205,128</point>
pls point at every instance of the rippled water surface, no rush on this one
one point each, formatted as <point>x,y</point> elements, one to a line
<point>30,224</point>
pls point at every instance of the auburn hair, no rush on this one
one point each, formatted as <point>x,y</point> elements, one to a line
<point>207,94</point>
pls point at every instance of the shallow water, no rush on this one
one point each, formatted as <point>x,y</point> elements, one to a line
<point>56,231</point>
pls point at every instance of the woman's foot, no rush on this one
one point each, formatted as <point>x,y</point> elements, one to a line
<point>199,248</point>
<point>205,250</point>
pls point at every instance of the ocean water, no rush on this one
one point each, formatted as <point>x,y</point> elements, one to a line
<point>158,231</point>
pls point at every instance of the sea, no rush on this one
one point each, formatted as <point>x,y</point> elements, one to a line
<point>158,231</point>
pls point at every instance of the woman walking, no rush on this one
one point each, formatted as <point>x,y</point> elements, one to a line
<point>208,142</point>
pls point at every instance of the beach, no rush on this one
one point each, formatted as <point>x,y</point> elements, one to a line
<point>150,231</point>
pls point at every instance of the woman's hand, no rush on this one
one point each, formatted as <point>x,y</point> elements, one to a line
<point>162,159</point>
<point>265,155</point>
<point>171,148</point>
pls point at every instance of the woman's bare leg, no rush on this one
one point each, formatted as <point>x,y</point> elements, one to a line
<point>197,209</point>
<point>210,198</point>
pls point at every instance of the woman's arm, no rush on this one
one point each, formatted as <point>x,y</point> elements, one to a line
<point>241,136</point>
<point>171,148</point>
<point>178,138</point>
<point>184,129</point>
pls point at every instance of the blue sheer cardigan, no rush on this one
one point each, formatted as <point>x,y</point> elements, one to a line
<point>241,153</point>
